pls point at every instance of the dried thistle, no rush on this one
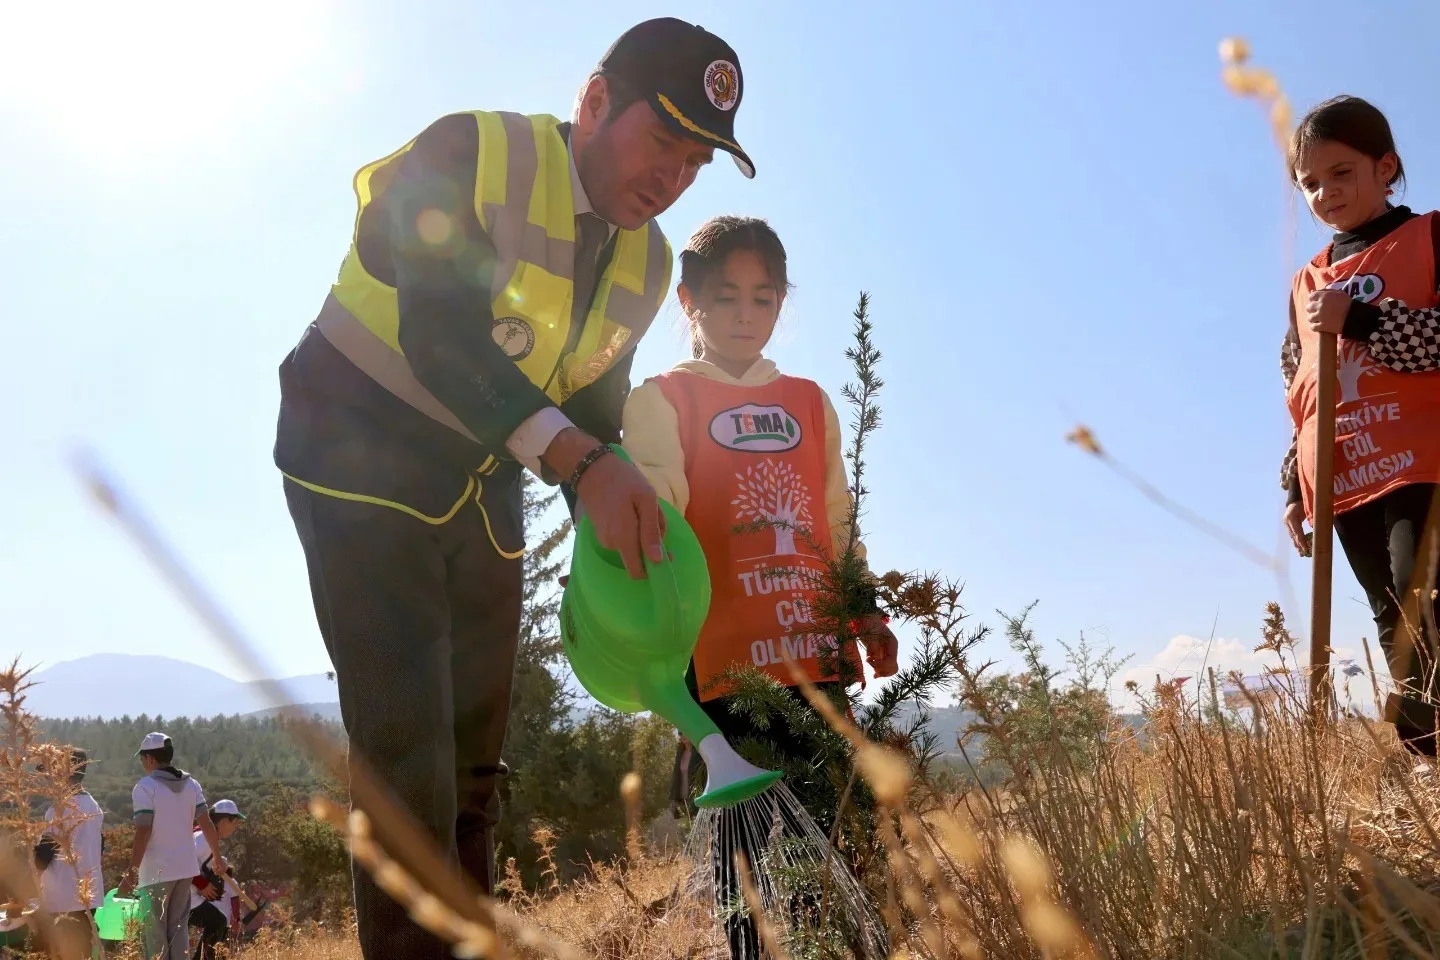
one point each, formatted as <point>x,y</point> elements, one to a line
<point>631,791</point>
<point>1247,81</point>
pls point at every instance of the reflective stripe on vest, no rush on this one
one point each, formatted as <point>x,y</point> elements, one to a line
<point>524,201</point>
<point>376,360</point>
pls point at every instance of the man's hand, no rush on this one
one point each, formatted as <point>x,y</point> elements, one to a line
<point>625,511</point>
<point>882,650</point>
<point>1326,310</point>
<point>618,499</point>
<point>1295,524</point>
<point>219,865</point>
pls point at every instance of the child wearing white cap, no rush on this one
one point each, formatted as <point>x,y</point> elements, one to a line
<point>212,900</point>
<point>168,805</point>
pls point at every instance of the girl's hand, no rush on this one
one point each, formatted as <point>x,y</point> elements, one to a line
<point>881,648</point>
<point>1295,524</point>
<point>1326,310</point>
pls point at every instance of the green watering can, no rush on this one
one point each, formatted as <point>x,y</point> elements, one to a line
<point>630,643</point>
<point>119,915</point>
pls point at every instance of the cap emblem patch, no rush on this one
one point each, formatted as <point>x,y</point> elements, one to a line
<point>722,84</point>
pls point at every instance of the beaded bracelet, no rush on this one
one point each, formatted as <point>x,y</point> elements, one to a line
<point>586,462</point>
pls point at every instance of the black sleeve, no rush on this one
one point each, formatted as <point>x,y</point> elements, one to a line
<point>444,286</point>
<point>1407,338</point>
<point>1361,321</point>
<point>597,409</point>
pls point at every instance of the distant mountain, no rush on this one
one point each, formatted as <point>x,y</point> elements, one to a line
<point>325,711</point>
<point>947,723</point>
<point>111,685</point>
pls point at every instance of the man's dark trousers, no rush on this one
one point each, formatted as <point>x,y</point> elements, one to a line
<point>421,620</point>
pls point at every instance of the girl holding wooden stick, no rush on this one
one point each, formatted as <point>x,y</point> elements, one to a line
<point>1375,287</point>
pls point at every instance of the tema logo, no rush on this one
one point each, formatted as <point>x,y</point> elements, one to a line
<point>757,428</point>
<point>1365,287</point>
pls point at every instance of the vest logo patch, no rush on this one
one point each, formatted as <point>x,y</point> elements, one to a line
<point>1365,287</point>
<point>752,427</point>
<point>514,336</point>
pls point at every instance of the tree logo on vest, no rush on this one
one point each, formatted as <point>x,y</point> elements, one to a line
<point>1365,287</point>
<point>772,494</point>
<point>1354,363</point>
<point>514,336</point>
<point>755,428</point>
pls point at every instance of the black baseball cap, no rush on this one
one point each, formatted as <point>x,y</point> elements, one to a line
<point>689,76</point>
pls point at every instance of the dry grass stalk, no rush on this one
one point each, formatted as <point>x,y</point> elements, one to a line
<point>470,939</point>
<point>633,910</point>
<point>768,940</point>
<point>30,768</point>
<point>631,791</point>
<point>448,898</point>
<point>1247,81</point>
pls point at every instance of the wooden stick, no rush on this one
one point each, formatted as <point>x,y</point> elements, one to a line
<point>1323,552</point>
<point>239,891</point>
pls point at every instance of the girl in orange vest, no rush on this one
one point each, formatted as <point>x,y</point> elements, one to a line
<point>732,442</point>
<point>752,458</point>
<point>1375,285</point>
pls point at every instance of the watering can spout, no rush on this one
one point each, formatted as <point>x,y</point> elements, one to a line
<point>730,778</point>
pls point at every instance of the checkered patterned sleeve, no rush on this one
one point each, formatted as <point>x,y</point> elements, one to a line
<point>1407,340</point>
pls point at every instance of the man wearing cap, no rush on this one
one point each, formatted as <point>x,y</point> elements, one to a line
<point>502,270</point>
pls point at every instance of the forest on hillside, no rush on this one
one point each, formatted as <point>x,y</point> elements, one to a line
<point>235,757</point>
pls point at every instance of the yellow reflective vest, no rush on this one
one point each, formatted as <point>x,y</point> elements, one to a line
<point>524,200</point>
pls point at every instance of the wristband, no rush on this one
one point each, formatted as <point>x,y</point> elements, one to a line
<point>586,462</point>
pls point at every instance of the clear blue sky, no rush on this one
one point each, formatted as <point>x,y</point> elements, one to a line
<point>1060,213</point>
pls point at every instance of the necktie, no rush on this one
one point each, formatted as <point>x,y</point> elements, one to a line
<point>590,235</point>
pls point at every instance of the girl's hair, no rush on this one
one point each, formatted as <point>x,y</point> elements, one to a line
<point>711,245</point>
<point>1356,123</point>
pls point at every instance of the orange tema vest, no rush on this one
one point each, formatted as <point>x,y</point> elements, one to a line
<point>1387,424</point>
<point>756,454</point>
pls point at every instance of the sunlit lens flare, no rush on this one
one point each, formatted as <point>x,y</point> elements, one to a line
<point>434,227</point>
<point>130,80</point>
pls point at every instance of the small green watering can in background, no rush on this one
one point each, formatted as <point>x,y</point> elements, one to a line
<point>119,915</point>
<point>630,643</point>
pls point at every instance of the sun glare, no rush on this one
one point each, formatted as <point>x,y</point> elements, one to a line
<point>135,78</point>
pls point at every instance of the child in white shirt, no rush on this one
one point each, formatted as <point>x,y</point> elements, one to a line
<point>72,886</point>
<point>168,805</point>
<point>213,897</point>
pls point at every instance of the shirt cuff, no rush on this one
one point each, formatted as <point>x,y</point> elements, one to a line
<point>534,435</point>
